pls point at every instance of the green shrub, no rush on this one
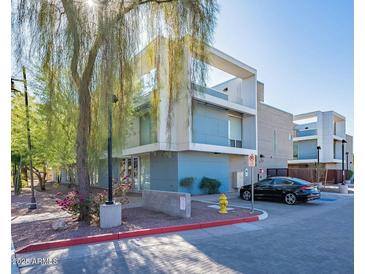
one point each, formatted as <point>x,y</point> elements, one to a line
<point>209,185</point>
<point>187,182</point>
<point>24,184</point>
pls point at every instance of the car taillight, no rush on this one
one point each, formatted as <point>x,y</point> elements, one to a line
<point>306,187</point>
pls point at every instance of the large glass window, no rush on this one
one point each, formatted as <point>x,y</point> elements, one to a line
<point>129,167</point>
<point>146,133</point>
<point>235,131</point>
<point>145,183</point>
<point>295,151</point>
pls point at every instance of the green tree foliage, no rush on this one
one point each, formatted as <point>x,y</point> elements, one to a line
<point>52,135</point>
<point>19,144</point>
<point>89,45</point>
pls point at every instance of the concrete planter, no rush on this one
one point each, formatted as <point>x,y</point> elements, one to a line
<point>344,189</point>
<point>171,203</point>
<point>110,215</point>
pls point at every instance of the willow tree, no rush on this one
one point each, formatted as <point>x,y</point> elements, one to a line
<point>95,40</point>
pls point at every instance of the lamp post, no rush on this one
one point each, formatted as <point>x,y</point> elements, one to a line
<point>33,203</point>
<point>343,161</point>
<point>347,162</point>
<point>318,149</point>
<point>260,161</point>
<point>113,100</point>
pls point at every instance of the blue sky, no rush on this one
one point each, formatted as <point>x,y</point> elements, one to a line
<point>302,50</point>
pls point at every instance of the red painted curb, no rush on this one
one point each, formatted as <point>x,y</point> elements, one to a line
<point>129,234</point>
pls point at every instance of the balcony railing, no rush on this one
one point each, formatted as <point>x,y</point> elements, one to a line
<point>209,91</point>
<point>304,133</point>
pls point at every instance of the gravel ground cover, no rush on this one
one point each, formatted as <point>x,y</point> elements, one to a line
<point>134,218</point>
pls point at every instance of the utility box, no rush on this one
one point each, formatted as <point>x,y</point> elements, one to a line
<point>237,179</point>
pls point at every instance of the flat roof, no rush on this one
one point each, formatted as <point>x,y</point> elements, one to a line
<point>315,113</point>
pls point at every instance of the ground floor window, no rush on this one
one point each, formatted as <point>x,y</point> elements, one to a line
<point>137,168</point>
<point>145,183</point>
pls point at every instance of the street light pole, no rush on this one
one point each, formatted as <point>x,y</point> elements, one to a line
<point>33,203</point>
<point>113,99</point>
<point>318,149</point>
<point>343,161</point>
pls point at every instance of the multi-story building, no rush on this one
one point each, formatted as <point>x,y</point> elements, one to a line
<point>325,130</point>
<point>208,132</point>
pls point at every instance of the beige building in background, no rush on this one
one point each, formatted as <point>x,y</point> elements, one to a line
<point>275,134</point>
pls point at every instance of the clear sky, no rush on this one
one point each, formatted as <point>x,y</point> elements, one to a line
<point>302,50</point>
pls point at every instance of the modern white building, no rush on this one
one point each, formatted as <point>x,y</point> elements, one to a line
<point>209,131</point>
<point>326,130</point>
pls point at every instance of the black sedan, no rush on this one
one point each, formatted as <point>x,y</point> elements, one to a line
<point>290,190</point>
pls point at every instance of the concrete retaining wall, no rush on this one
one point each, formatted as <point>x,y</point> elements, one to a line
<point>171,203</point>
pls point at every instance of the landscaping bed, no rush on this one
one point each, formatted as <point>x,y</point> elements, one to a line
<point>135,218</point>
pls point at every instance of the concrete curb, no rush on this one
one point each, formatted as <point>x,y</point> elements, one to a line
<point>130,234</point>
<point>261,217</point>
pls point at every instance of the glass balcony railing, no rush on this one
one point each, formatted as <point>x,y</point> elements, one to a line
<point>210,91</point>
<point>307,132</point>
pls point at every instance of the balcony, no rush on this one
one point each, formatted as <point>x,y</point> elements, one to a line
<point>305,133</point>
<point>209,91</point>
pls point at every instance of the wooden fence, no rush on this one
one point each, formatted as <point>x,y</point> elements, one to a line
<point>326,176</point>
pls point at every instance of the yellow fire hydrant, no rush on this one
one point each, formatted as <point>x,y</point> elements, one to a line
<point>223,203</point>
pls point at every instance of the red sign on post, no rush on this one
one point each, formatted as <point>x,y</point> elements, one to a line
<point>252,160</point>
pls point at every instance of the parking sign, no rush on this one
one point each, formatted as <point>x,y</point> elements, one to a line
<point>252,160</point>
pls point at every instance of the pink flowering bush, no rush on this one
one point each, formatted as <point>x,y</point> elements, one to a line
<point>97,200</point>
<point>69,202</point>
<point>72,202</point>
<point>121,189</point>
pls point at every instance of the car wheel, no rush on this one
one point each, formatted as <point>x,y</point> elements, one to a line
<point>246,195</point>
<point>290,198</point>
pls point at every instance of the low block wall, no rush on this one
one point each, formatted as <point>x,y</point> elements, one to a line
<point>171,203</point>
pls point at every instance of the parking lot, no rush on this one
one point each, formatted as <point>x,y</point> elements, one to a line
<point>280,213</point>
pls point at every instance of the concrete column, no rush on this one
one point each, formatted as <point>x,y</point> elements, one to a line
<point>110,215</point>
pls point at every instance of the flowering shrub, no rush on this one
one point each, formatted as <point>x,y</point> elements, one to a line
<point>97,200</point>
<point>70,202</point>
<point>122,188</point>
